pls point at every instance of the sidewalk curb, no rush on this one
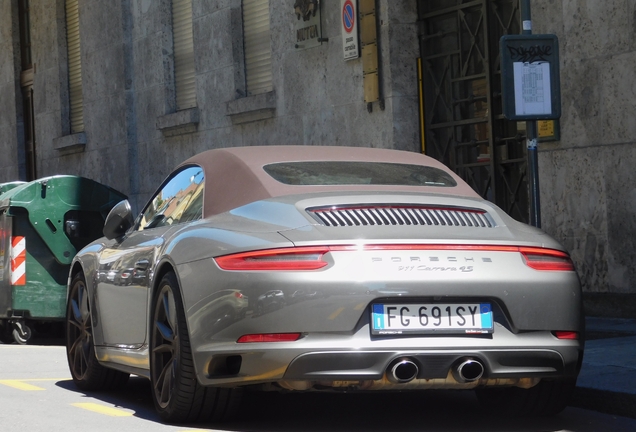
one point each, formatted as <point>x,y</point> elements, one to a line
<point>607,402</point>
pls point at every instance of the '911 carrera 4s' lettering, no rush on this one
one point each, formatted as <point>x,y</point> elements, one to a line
<point>463,269</point>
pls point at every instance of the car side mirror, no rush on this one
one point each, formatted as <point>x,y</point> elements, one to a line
<point>118,221</point>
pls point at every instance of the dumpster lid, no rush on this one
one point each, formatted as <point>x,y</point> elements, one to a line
<point>6,187</point>
<point>47,200</point>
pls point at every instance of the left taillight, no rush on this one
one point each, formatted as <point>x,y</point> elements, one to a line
<point>546,259</point>
<point>301,258</point>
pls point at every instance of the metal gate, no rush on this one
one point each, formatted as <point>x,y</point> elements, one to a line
<point>463,121</point>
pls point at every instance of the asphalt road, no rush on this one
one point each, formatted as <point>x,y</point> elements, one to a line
<point>37,394</point>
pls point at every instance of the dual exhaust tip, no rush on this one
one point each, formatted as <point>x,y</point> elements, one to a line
<point>403,371</point>
<point>406,369</point>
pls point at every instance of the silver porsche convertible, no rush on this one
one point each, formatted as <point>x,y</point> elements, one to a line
<point>301,268</point>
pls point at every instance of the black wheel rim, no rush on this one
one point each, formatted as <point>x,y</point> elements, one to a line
<point>79,331</point>
<point>165,347</point>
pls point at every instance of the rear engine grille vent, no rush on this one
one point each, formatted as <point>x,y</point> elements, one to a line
<point>398,215</point>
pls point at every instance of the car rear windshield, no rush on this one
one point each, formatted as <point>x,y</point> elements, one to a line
<point>358,173</point>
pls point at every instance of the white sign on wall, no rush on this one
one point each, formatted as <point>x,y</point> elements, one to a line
<point>349,18</point>
<point>308,28</point>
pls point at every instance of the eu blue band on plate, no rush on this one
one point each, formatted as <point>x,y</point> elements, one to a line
<point>378,316</point>
<point>486,315</point>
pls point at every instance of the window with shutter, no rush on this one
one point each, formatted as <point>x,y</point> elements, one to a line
<point>258,51</point>
<point>183,54</point>
<point>76,98</point>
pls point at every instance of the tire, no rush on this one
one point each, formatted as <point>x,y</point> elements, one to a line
<point>176,393</point>
<point>86,371</point>
<point>547,398</point>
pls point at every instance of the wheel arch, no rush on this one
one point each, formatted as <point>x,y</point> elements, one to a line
<point>163,268</point>
<point>76,268</point>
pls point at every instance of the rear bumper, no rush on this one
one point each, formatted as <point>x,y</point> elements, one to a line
<point>354,365</point>
<point>359,362</point>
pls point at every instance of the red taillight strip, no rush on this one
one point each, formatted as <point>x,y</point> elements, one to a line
<point>312,257</point>
<point>409,247</point>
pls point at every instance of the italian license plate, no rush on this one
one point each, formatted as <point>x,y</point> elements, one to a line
<point>411,318</point>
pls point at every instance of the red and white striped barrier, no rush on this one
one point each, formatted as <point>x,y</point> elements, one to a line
<point>18,260</point>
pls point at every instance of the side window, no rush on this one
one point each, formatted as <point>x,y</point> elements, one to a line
<point>179,200</point>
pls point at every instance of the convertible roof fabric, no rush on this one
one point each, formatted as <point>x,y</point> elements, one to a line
<point>235,176</point>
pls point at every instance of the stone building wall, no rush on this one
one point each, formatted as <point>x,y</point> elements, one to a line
<point>133,137</point>
<point>588,184</point>
<point>10,120</point>
<point>130,141</point>
<point>128,88</point>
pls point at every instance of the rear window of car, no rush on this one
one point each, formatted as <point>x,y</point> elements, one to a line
<point>358,173</point>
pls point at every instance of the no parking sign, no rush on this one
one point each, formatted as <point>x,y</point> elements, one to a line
<point>349,18</point>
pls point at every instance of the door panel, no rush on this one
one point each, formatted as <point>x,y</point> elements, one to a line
<point>123,287</point>
<point>125,270</point>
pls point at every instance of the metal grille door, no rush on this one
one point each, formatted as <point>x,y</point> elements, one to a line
<point>464,125</point>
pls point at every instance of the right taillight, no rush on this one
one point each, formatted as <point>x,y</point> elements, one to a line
<point>546,259</point>
<point>566,335</point>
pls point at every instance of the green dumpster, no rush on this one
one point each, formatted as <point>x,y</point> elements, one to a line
<point>43,224</point>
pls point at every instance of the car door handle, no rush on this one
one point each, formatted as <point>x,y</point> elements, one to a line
<point>142,264</point>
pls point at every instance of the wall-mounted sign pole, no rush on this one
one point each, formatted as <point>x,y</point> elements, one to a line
<point>531,136</point>
<point>531,90</point>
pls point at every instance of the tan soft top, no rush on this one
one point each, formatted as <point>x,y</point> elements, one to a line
<point>235,176</point>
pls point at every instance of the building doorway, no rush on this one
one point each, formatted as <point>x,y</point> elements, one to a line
<point>461,89</point>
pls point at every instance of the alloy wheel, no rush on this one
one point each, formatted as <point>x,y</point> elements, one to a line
<point>79,331</point>
<point>165,345</point>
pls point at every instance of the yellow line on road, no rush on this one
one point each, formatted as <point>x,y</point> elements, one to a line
<point>360,306</point>
<point>101,409</point>
<point>41,379</point>
<point>20,385</point>
<point>336,313</point>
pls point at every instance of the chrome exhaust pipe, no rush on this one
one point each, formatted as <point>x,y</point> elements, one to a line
<point>468,370</point>
<point>402,371</point>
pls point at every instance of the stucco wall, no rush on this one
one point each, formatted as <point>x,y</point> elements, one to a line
<point>588,185</point>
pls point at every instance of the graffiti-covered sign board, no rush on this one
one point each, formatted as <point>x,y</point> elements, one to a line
<point>530,77</point>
